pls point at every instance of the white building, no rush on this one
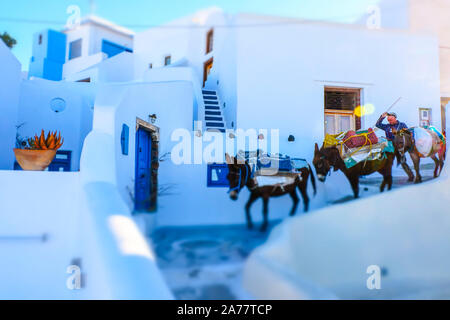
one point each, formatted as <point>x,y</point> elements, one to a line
<point>246,71</point>
<point>428,17</point>
<point>240,71</point>
<point>60,55</point>
<point>94,40</point>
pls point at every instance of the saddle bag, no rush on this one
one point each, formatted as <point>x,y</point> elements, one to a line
<point>277,162</point>
<point>354,139</point>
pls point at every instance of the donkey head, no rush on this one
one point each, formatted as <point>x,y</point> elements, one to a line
<point>324,159</point>
<point>403,141</point>
<point>238,173</point>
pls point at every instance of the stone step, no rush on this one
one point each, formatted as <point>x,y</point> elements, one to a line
<point>215,129</point>
<point>215,124</point>
<point>211,102</point>
<point>213,113</point>
<point>213,118</point>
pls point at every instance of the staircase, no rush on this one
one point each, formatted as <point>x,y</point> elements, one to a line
<point>213,112</point>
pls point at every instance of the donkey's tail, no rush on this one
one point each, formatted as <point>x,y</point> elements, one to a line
<point>313,179</point>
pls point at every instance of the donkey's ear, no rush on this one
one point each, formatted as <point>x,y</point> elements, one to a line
<point>316,150</point>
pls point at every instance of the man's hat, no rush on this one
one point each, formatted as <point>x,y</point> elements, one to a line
<point>393,114</point>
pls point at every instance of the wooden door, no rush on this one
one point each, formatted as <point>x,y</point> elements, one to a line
<point>207,69</point>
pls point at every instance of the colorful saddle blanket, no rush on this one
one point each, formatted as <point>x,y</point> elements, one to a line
<point>377,151</point>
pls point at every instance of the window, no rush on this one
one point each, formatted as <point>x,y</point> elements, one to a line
<point>217,175</point>
<point>340,105</point>
<point>209,41</point>
<point>424,117</point>
<point>40,39</point>
<point>75,49</point>
<point>167,60</point>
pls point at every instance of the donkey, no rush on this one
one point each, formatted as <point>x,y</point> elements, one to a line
<point>240,175</point>
<point>404,142</point>
<point>325,158</point>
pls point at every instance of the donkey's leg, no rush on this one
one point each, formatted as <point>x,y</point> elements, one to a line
<point>384,182</point>
<point>265,223</point>
<point>388,175</point>
<point>295,199</point>
<point>354,182</point>
<point>249,203</point>
<point>387,181</point>
<point>441,161</point>
<point>416,160</point>
<point>387,178</point>
<point>408,171</point>
<point>302,187</point>
<point>436,165</point>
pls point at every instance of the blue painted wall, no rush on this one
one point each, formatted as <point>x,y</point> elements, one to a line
<point>48,56</point>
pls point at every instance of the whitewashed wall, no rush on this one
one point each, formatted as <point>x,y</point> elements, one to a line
<point>91,47</point>
<point>274,77</point>
<point>119,68</point>
<point>184,38</point>
<point>282,72</point>
<point>10,79</point>
<point>74,122</point>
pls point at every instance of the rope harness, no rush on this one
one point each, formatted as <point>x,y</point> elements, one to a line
<point>241,183</point>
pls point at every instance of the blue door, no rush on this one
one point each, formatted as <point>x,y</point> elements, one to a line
<point>143,179</point>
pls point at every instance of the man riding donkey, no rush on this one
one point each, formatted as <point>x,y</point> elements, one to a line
<point>391,129</point>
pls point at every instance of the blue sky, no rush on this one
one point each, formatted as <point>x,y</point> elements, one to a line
<point>22,18</point>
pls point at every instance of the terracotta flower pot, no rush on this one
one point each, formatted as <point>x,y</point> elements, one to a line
<point>34,160</point>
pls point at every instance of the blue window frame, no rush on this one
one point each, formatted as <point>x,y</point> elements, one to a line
<point>217,175</point>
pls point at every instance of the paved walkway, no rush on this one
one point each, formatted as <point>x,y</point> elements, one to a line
<point>206,262</point>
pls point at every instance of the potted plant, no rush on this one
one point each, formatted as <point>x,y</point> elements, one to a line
<point>37,153</point>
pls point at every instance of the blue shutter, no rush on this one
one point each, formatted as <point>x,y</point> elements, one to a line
<point>124,139</point>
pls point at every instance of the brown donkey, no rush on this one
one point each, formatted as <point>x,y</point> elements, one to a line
<point>326,158</point>
<point>404,142</point>
<point>240,175</point>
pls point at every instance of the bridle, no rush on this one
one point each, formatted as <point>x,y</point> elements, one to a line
<point>324,157</point>
<point>238,188</point>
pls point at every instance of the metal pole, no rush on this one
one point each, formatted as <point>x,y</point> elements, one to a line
<point>392,105</point>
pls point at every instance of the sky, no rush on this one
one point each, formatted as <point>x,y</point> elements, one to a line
<point>22,18</point>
